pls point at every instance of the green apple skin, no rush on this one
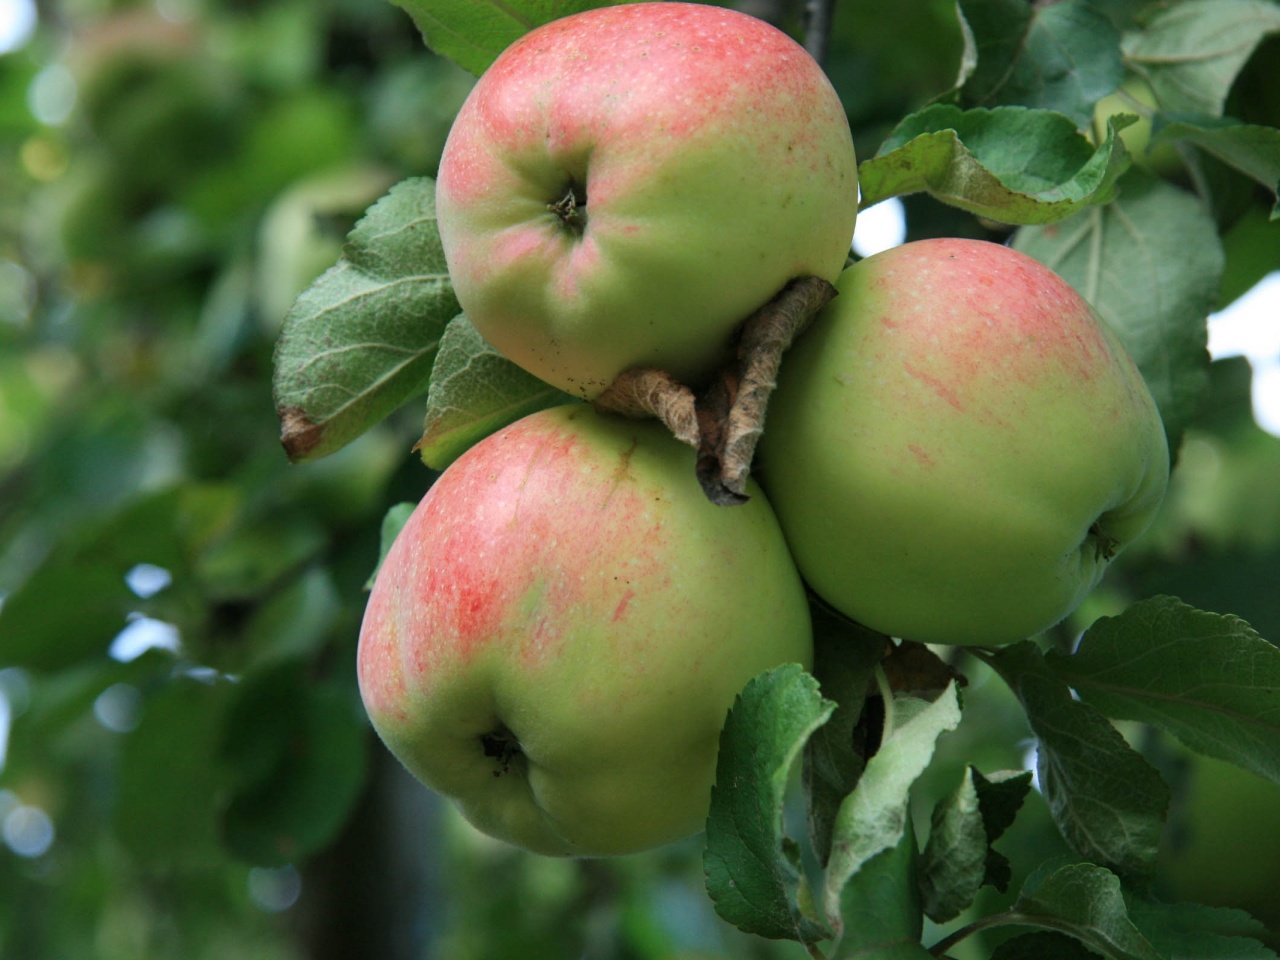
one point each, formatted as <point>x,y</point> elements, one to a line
<point>958,445</point>
<point>556,635</point>
<point>711,162</point>
<point>1136,97</point>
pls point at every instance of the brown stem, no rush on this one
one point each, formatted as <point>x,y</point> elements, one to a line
<point>765,337</point>
<point>725,421</point>
<point>648,392</point>
<point>731,413</point>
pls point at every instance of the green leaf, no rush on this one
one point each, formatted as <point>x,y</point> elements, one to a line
<point>73,604</point>
<point>753,874</point>
<point>474,391</point>
<point>845,657</point>
<point>1086,902</point>
<point>880,906</point>
<point>1063,56</point>
<point>294,622</point>
<point>958,858</point>
<point>259,553</point>
<point>1250,148</point>
<point>361,339</point>
<point>392,523</point>
<point>954,860</point>
<point>873,818</point>
<point>1107,801</point>
<point>1043,945</point>
<point>1191,52</point>
<point>1206,678</point>
<point>999,799</point>
<point>1193,931</point>
<point>170,820</point>
<point>1012,164</point>
<point>472,33</point>
<point>1151,264</point>
<point>296,751</point>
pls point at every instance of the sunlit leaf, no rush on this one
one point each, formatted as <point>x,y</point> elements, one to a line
<point>753,871</point>
<point>474,391</point>
<point>1011,164</point>
<point>873,818</point>
<point>361,339</point>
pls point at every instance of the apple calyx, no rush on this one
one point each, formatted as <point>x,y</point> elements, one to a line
<point>1105,547</point>
<point>572,208</point>
<point>501,744</point>
<point>725,421</point>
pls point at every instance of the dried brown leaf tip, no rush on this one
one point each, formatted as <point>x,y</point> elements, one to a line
<point>299,435</point>
<point>913,669</point>
<point>764,338</point>
<point>648,392</point>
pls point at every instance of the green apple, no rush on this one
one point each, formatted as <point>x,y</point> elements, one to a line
<point>557,633</point>
<point>958,445</point>
<point>623,187</point>
<point>1136,97</point>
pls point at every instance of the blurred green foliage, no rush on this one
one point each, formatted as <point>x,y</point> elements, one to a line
<point>172,175</point>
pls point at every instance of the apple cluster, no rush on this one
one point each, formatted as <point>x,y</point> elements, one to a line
<point>954,450</point>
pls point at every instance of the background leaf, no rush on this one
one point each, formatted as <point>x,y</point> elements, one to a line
<point>392,522</point>
<point>171,821</point>
<point>1249,148</point>
<point>1063,56</point>
<point>1085,901</point>
<point>1191,52</point>
<point>1043,945</point>
<point>474,391</point>
<point>473,32</point>
<point>1193,931</point>
<point>1108,802</point>
<point>296,752</point>
<point>360,341</point>
<point>1010,164</point>
<point>1208,679</point>
<point>753,873</point>
<point>1132,261</point>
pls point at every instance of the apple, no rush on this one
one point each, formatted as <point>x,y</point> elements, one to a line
<point>557,633</point>
<point>958,445</point>
<point>1135,96</point>
<point>623,187</point>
